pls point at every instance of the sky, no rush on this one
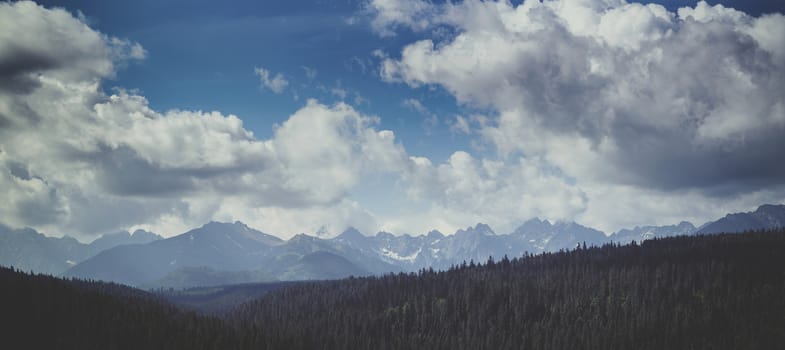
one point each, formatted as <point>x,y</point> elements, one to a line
<point>402,116</point>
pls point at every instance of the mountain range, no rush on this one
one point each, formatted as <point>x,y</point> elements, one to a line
<point>28,249</point>
<point>227,253</point>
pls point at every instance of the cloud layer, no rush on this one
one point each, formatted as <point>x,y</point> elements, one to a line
<point>605,112</point>
<point>73,158</point>
<point>620,97</point>
<point>662,100</point>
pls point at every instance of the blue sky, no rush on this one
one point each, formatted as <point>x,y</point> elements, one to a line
<point>202,55</point>
<point>606,113</point>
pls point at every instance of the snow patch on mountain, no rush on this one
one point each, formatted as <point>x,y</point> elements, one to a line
<point>395,256</point>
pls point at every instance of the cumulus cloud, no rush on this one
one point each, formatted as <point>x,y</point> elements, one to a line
<point>460,125</point>
<point>465,190</point>
<point>276,83</point>
<point>622,98</point>
<point>74,159</point>
<point>617,92</point>
<point>391,14</point>
<point>620,206</point>
<point>591,104</point>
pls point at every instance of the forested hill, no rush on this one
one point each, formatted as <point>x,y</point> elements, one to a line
<point>697,292</point>
<point>44,312</point>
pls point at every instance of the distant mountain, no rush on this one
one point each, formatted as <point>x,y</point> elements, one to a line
<point>411,253</point>
<point>405,252</point>
<point>478,243</point>
<point>767,216</point>
<point>542,236</point>
<point>28,249</point>
<point>224,251</point>
<point>322,265</point>
<point>298,247</point>
<point>642,233</point>
<point>120,238</point>
<point>219,246</point>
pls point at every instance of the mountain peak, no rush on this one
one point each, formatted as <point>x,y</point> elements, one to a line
<point>686,224</point>
<point>537,221</point>
<point>351,233</point>
<point>767,216</point>
<point>533,225</point>
<point>479,229</point>
<point>385,235</point>
<point>237,226</point>
<point>566,224</point>
<point>771,209</point>
<point>301,237</point>
<point>234,231</point>
<point>483,228</point>
<point>434,234</point>
<point>143,234</point>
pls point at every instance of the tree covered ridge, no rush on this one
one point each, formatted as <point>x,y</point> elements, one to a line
<point>45,312</point>
<point>701,292</point>
<point>693,292</point>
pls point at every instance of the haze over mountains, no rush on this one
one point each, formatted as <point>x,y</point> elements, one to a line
<point>29,250</point>
<point>225,253</point>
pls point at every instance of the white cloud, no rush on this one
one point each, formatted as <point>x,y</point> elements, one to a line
<point>597,105</point>
<point>76,160</point>
<point>69,50</point>
<point>465,190</point>
<point>339,92</point>
<point>416,105</point>
<point>431,119</point>
<point>128,157</point>
<point>623,98</point>
<point>323,151</point>
<point>614,207</point>
<point>390,14</point>
<point>460,125</point>
<point>276,83</point>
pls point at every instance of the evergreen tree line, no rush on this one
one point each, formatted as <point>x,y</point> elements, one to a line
<point>44,312</point>
<point>694,292</point>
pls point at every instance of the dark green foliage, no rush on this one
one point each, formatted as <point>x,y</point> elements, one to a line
<point>43,312</point>
<point>702,292</point>
<point>220,299</point>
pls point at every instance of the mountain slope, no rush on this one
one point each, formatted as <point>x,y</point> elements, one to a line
<point>642,233</point>
<point>541,235</point>
<point>219,246</point>
<point>216,252</point>
<point>321,265</point>
<point>28,249</point>
<point>219,252</point>
<point>112,240</point>
<point>767,216</point>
